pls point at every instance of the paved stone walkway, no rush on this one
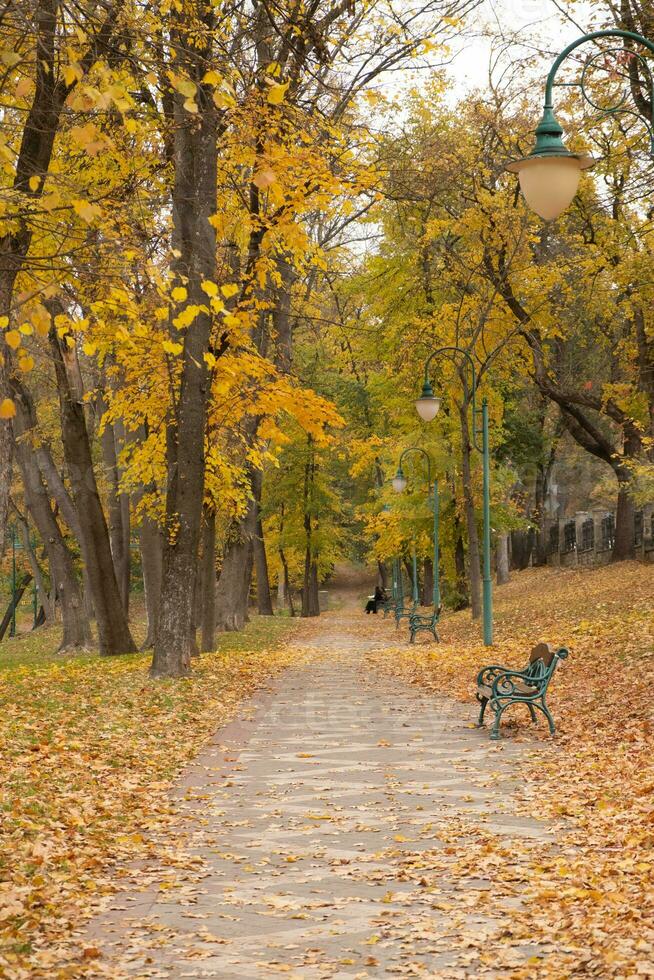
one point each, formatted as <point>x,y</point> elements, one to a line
<point>324,838</point>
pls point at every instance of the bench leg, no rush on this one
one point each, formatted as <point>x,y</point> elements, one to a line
<point>480,720</point>
<point>532,713</point>
<point>495,731</point>
<point>412,638</point>
<point>546,712</point>
<point>436,636</point>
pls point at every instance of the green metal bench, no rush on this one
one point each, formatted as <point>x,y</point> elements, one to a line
<point>421,623</point>
<point>403,612</point>
<point>388,605</point>
<point>501,686</point>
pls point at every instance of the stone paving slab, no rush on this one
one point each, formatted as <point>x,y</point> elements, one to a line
<point>308,821</point>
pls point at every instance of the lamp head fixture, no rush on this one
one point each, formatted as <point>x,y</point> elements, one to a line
<point>549,176</point>
<point>399,481</point>
<point>428,404</point>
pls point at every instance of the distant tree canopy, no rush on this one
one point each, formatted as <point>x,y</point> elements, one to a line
<point>229,240</point>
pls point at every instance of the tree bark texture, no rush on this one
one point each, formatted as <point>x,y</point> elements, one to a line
<point>14,602</point>
<point>233,590</point>
<point>114,636</point>
<point>208,617</point>
<point>502,558</point>
<point>428,582</point>
<point>310,605</point>
<point>264,598</point>
<point>33,161</point>
<point>118,511</point>
<point>44,600</point>
<point>151,548</point>
<point>194,203</point>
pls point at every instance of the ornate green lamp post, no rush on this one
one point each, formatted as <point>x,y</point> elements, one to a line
<point>427,406</point>
<point>549,176</point>
<point>399,485</point>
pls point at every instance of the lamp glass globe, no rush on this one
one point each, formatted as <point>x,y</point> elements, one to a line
<point>427,407</point>
<point>399,484</point>
<point>549,183</point>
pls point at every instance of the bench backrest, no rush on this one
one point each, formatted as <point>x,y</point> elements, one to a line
<point>543,660</point>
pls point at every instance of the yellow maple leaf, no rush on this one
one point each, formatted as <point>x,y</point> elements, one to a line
<point>184,86</point>
<point>87,211</point>
<point>7,409</point>
<point>72,73</point>
<point>277,93</point>
<point>13,339</point>
<point>211,78</point>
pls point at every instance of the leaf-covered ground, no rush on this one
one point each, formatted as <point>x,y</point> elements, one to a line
<point>592,894</point>
<point>88,750</point>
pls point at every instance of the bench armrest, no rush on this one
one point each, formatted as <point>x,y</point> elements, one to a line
<point>487,675</point>
<point>504,684</point>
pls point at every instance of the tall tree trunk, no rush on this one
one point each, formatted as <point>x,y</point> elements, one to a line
<point>64,584</point>
<point>310,606</point>
<point>118,508</point>
<point>113,630</point>
<point>460,566</point>
<point>233,589</point>
<point>194,204</point>
<point>428,582</point>
<point>43,599</point>
<point>196,617</point>
<point>6,452</point>
<point>264,599</point>
<point>284,591</point>
<point>151,548</point>
<point>208,617</point>
<point>310,603</point>
<point>14,602</point>
<point>32,163</point>
<point>522,547</point>
<point>382,570</point>
<point>286,582</point>
<point>624,546</point>
<point>474,569</point>
<point>502,558</point>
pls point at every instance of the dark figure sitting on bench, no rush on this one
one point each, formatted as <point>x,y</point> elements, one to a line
<point>379,596</point>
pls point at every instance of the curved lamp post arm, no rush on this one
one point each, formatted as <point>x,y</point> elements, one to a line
<point>427,389</point>
<point>549,131</point>
<point>416,449</point>
<point>626,35</point>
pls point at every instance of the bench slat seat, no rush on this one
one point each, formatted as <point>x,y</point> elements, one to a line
<point>500,687</point>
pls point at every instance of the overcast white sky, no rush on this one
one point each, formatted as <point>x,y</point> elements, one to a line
<point>539,22</point>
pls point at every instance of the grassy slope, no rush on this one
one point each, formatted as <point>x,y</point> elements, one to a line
<point>88,747</point>
<point>593,896</point>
